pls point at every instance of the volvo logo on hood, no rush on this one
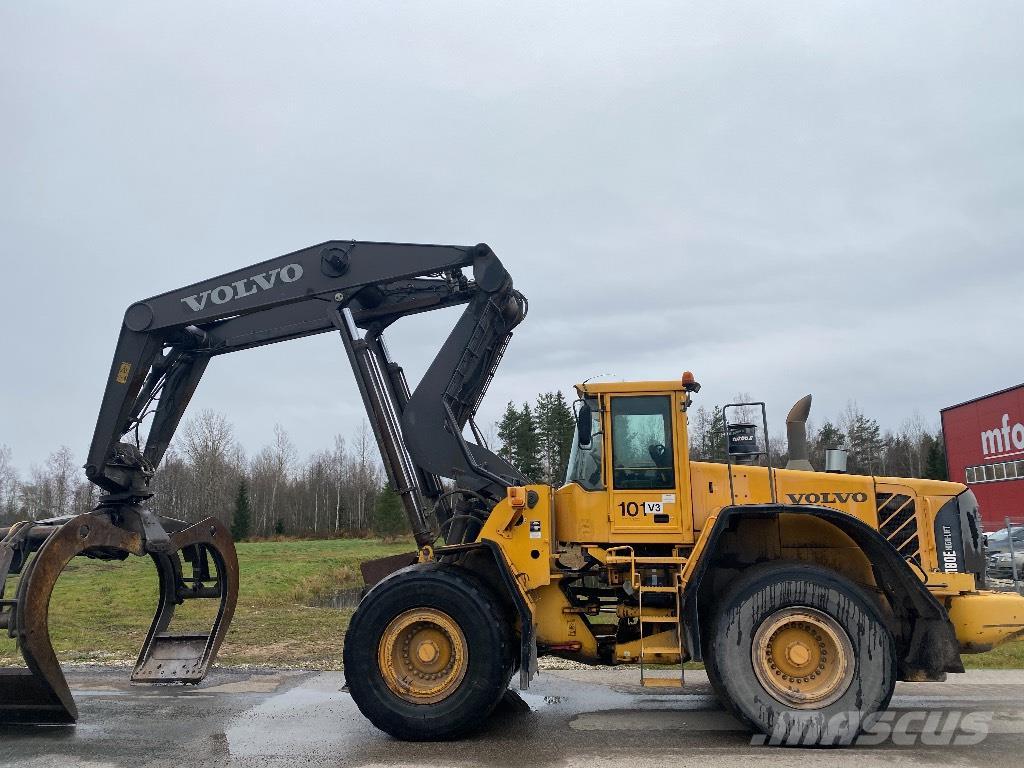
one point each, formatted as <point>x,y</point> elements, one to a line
<point>247,286</point>
<point>827,497</point>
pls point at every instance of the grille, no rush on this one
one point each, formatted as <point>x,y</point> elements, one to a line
<point>897,522</point>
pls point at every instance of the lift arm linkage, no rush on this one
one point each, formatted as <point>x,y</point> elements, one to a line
<point>167,341</point>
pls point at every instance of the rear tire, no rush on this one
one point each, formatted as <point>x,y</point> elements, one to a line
<point>802,655</point>
<point>722,693</point>
<point>427,653</point>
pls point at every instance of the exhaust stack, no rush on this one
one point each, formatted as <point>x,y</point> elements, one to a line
<point>796,435</point>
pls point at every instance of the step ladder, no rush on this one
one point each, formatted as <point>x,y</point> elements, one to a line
<point>650,648</point>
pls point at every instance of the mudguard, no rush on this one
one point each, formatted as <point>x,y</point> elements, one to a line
<point>926,639</point>
<point>496,570</point>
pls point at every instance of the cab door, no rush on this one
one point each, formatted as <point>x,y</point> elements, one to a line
<point>643,467</point>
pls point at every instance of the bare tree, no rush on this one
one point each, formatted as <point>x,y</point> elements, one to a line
<point>366,477</point>
<point>8,485</point>
<point>35,498</point>
<point>333,491</point>
<point>208,446</point>
<point>913,443</point>
<point>283,458</point>
<point>745,414</point>
<point>339,460</point>
<point>61,470</point>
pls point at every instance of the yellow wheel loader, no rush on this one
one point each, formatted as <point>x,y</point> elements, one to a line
<point>806,594</point>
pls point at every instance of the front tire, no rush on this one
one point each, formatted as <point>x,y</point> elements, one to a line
<point>426,653</point>
<point>802,655</point>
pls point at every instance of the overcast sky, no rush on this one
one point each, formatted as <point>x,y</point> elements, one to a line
<point>783,197</point>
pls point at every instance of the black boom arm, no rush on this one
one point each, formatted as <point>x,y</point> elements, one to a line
<point>358,289</point>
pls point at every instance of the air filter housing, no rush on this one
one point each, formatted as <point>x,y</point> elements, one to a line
<point>742,442</point>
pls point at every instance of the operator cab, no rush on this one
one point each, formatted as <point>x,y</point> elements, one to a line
<point>641,433</point>
<point>628,466</point>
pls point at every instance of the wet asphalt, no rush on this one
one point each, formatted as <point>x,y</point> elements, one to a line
<point>571,717</point>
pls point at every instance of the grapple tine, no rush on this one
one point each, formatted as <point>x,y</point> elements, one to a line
<point>24,697</point>
<point>40,693</point>
<point>168,657</point>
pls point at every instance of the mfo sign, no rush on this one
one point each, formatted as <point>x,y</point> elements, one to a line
<point>1004,439</point>
<point>984,440</point>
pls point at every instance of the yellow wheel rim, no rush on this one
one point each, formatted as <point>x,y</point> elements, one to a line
<point>803,658</point>
<point>423,656</point>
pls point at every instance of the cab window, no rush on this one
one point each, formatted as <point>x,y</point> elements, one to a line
<point>642,456</point>
<point>585,463</point>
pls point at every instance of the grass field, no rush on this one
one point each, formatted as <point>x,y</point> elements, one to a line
<point>101,611</point>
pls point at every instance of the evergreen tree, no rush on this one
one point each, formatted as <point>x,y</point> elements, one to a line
<point>827,438</point>
<point>935,464</point>
<point>528,444</point>
<point>520,444</point>
<point>508,428</point>
<point>707,436</point>
<point>698,423</point>
<point>546,441</point>
<point>279,527</point>
<point>563,424</point>
<point>388,514</point>
<point>715,439</point>
<point>830,436</point>
<point>554,426</point>
<point>242,516</point>
<point>865,440</point>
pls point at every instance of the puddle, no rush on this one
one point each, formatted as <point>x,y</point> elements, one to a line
<point>343,599</point>
<point>538,701</point>
<point>656,720</point>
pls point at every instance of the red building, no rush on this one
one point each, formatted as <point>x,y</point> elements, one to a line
<point>985,448</point>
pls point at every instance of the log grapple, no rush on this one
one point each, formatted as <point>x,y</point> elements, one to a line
<point>38,552</point>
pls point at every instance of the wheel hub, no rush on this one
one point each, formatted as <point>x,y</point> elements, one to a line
<point>423,656</point>
<point>803,658</point>
<point>427,652</point>
<point>798,654</point>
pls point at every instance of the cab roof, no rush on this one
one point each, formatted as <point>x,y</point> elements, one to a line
<point>613,387</point>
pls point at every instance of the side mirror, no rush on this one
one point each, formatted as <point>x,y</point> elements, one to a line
<point>585,425</point>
